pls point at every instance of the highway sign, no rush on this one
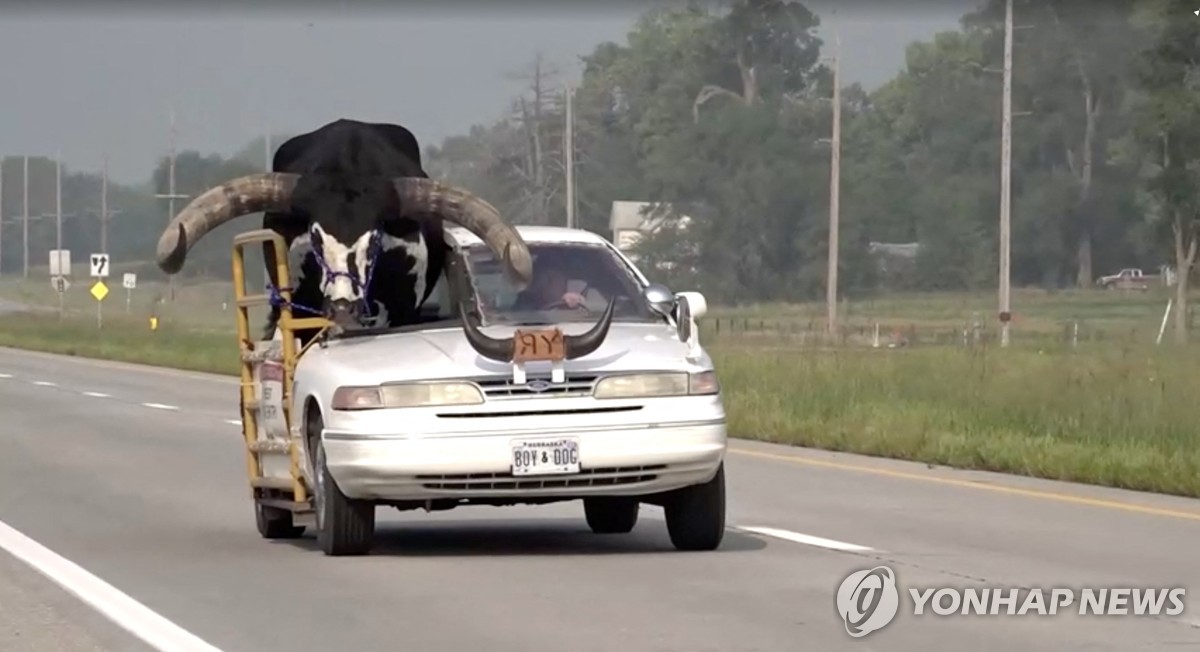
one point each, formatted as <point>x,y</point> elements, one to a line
<point>129,281</point>
<point>99,290</point>
<point>100,265</point>
<point>60,283</point>
<point>60,262</point>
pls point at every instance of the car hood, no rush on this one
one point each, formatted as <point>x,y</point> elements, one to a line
<point>445,353</point>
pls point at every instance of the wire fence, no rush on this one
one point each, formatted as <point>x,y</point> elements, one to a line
<point>893,333</point>
<point>1048,319</point>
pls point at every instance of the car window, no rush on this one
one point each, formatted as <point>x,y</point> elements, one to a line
<point>439,300</point>
<point>592,273</point>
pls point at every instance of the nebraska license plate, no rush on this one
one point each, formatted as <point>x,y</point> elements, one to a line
<point>545,456</point>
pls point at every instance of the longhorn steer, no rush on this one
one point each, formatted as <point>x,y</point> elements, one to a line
<point>363,224</point>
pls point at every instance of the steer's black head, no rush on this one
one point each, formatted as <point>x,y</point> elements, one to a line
<point>346,220</point>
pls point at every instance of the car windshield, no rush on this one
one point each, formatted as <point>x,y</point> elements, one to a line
<point>571,282</point>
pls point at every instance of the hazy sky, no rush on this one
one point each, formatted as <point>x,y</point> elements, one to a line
<point>104,81</point>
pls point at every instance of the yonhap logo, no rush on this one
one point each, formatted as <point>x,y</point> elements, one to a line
<point>867,600</point>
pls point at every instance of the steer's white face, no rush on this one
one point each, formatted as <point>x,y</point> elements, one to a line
<point>353,259</point>
<point>338,260</point>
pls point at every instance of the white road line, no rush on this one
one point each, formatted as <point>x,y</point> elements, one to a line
<point>110,365</point>
<point>233,422</point>
<point>5,375</point>
<point>159,406</point>
<point>44,383</point>
<point>118,607</point>
<point>97,395</point>
<point>806,539</point>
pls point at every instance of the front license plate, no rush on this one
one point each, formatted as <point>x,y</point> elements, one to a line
<point>545,456</point>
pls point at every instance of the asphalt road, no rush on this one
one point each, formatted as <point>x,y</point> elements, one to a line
<point>136,475</point>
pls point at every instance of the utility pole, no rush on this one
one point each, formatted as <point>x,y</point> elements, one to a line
<point>835,162</point>
<point>569,156</point>
<point>171,197</point>
<point>58,200</point>
<point>1,215</point>
<point>25,220</point>
<point>104,206</point>
<point>105,214</point>
<point>58,223</point>
<point>1005,177</point>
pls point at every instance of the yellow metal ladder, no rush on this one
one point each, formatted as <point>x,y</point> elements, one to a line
<point>272,492</point>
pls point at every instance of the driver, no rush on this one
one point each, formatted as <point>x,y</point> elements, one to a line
<point>548,287</point>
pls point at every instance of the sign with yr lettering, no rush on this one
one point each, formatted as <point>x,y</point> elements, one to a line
<point>538,345</point>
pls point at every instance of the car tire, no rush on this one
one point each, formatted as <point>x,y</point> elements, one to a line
<point>345,527</point>
<point>696,515</point>
<point>276,523</point>
<point>611,515</point>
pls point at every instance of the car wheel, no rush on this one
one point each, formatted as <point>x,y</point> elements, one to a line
<point>344,526</point>
<point>611,515</point>
<point>276,523</point>
<point>696,514</point>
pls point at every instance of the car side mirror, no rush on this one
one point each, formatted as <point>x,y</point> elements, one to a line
<point>660,298</point>
<point>683,319</point>
<point>696,303</point>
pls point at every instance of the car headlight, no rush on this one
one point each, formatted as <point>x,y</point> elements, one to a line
<point>656,384</point>
<point>404,395</point>
<point>704,382</point>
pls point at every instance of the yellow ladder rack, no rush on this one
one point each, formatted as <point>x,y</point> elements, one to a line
<point>287,354</point>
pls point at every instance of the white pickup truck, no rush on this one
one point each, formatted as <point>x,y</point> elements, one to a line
<point>1130,278</point>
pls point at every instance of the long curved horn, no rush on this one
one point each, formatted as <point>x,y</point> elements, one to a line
<point>249,194</point>
<point>473,213</point>
<point>576,346</point>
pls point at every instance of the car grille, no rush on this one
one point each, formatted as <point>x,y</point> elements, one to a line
<point>601,477</point>
<point>502,387</point>
<point>538,413</point>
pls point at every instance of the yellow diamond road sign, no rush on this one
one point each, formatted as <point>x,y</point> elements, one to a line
<point>99,290</point>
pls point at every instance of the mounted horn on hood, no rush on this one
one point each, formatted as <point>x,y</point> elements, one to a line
<point>502,349</point>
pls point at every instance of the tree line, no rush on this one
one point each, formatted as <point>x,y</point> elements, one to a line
<point>720,115</point>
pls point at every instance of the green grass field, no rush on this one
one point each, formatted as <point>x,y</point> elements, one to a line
<point>1108,407</point>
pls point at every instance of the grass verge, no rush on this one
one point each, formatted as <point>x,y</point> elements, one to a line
<point>1116,416</point>
<point>122,339</point>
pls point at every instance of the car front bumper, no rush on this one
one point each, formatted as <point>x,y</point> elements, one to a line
<point>615,460</point>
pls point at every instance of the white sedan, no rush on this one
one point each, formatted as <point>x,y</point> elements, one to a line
<point>618,406</point>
